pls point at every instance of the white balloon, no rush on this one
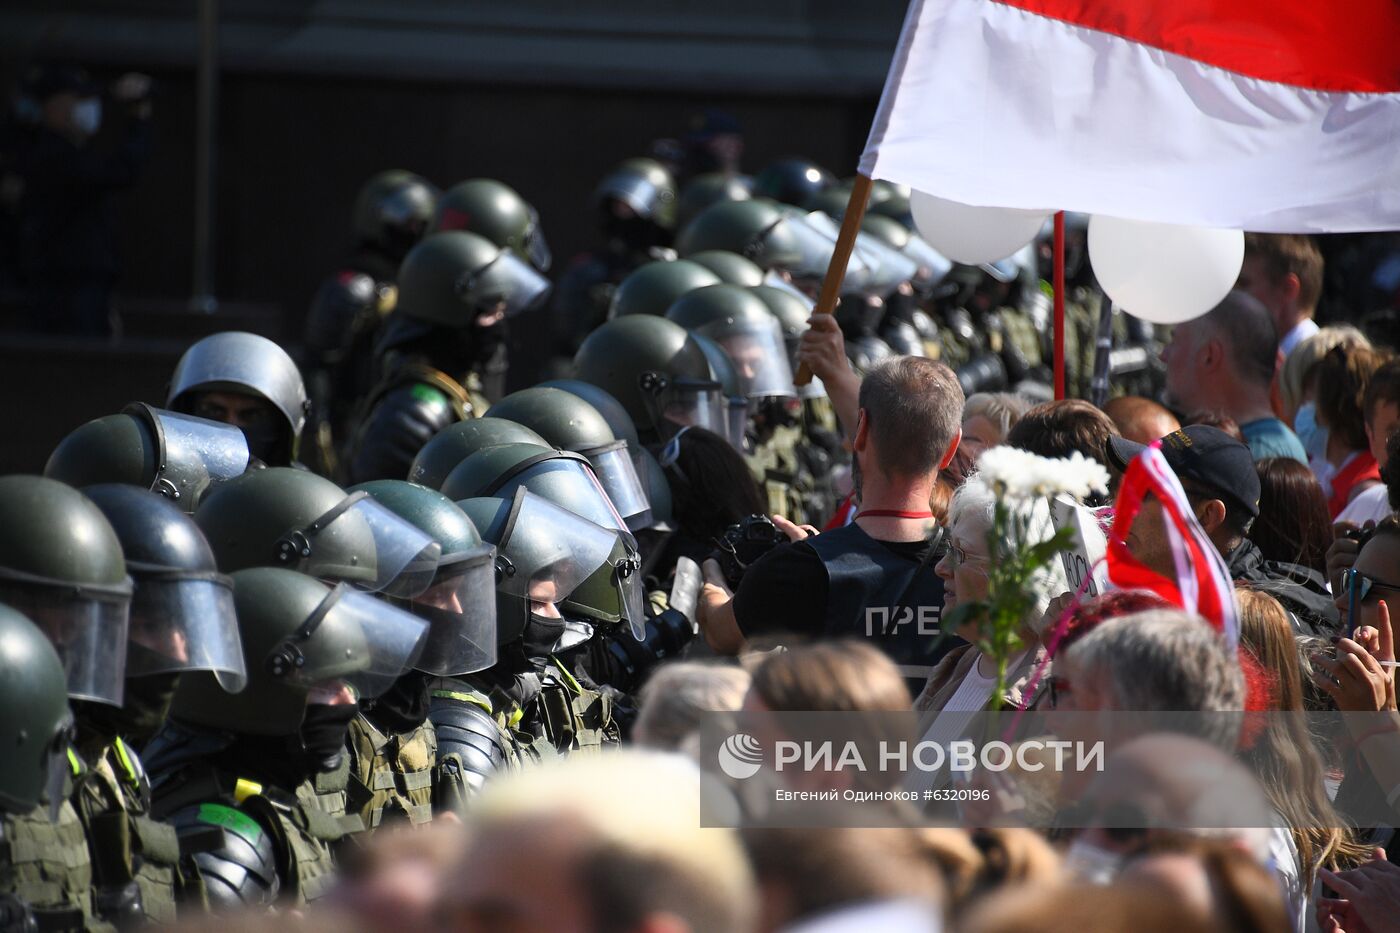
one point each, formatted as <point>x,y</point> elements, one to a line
<point>973,235</point>
<point>1164,273</point>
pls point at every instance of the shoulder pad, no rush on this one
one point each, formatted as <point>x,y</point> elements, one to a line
<point>468,733</point>
<point>235,854</point>
<point>400,423</point>
<point>334,308</point>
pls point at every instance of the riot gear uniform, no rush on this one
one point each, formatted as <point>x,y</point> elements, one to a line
<point>495,210</point>
<point>710,188</point>
<point>457,442</point>
<point>265,769</point>
<point>457,291</point>
<point>731,268</point>
<point>655,287</point>
<point>793,181</point>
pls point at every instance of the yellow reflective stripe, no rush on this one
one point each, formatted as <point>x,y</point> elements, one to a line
<point>124,756</point>
<point>474,699</point>
<point>568,678</point>
<point>75,762</point>
<point>245,789</point>
<point>516,715</point>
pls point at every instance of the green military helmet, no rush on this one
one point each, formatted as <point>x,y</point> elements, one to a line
<point>561,476</point>
<point>393,210</point>
<point>772,236</point>
<point>452,278</point>
<point>280,517</point>
<point>545,553</point>
<point>301,636</point>
<point>895,205</point>
<point>645,186</point>
<point>61,565</point>
<point>652,288</point>
<point>793,181</point>
<point>832,201</point>
<point>568,422</point>
<point>37,726</point>
<point>731,268</point>
<point>654,368</point>
<point>711,188</point>
<point>251,365</point>
<point>740,322</point>
<point>182,616</point>
<point>496,211</point>
<point>460,605</point>
<point>623,428</point>
<point>179,456</point>
<point>457,441</point>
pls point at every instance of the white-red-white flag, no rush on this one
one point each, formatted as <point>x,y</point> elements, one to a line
<point>1268,115</point>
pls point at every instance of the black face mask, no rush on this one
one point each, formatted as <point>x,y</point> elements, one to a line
<point>901,306</point>
<point>404,707</point>
<point>145,705</point>
<point>541,635</point>
<point>321,740</point>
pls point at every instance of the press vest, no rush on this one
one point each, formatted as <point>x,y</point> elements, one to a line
<point>878,596</point>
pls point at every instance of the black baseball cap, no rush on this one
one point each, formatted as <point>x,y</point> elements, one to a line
<point>1205,459</point>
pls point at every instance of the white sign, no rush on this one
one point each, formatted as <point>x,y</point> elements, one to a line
<point>1067,514</point>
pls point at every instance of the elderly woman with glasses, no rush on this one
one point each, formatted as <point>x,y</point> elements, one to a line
<point>964,680</point>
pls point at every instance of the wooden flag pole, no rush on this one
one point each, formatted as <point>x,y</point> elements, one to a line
<point>1059,283</point>
<point>836,271</point>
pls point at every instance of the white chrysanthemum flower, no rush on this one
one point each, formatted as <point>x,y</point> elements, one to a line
<point>1019,474</point>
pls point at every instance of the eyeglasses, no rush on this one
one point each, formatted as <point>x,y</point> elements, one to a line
<point>1353,578</point>
<point>958,556</point>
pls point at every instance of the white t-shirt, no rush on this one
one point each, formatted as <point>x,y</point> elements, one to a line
<point>1300,332</point>
<point>1370,505</point>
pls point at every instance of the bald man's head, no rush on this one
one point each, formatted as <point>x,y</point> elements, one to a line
<point>1141,419</point>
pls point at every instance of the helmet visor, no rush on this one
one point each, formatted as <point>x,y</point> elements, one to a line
<point>88,628</point>
<point>571,484</point>
<point>617,474</point>
<point>931,266</point>
<point>460,608</point>
<point>185,623</point>
<point>736,422</point>
<point>196,453</point>
<point>508,279</point>
<point>402,563</point>
<point>535,248</point>
<point>637,192</point>
<point>695,405</point>
<point>354,637</point>
<point>885,267</point>
<point>546,551</point>
<point>758,353</point>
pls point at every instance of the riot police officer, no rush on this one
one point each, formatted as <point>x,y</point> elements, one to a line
<point>45,876</point>
<point>246,381</point>
<point>182,619</point>
<point>392,213</point>
<point>395,767</point>
<point>61,565</point>
<point>529,706</point>
<point>636,209</point>
<point>178,456</point>
<point>456,292</point>
<point>250,768</point>
<point>793,180</point>
<point>457,442</point>
<point>710,188</point>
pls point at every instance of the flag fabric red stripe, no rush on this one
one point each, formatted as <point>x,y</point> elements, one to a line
<point>1325,45</point>
<point>1203,585</point>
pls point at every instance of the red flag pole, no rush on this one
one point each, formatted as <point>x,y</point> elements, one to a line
<point>836,271</point>
<point>1059,283</point>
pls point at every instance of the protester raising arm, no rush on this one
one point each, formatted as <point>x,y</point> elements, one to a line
<point>823,349</point>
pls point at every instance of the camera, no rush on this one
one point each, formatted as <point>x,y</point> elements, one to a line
<point>624,662</point>
<point>743,543</point>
